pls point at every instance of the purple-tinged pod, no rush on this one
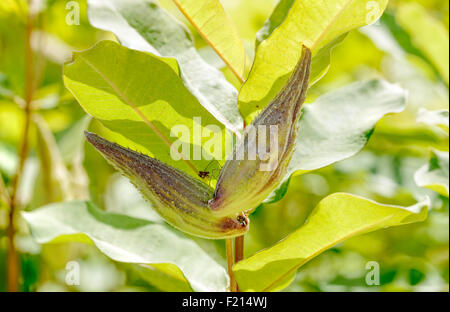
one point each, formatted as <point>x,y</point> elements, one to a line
<point>180,199</point>
<point>260,160</point>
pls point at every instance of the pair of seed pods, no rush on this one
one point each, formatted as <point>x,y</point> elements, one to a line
<point>192,206</point>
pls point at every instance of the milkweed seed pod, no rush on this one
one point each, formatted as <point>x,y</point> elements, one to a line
<point>180,199</point>
<point>245,180</point>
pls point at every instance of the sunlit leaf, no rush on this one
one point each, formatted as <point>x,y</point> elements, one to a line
<point>164,276</point>
<point>435,174</point>
<point>339,124</point>
<point>278,15</point>
<point>335,219</point>
<point>312,23</point>
<point>321,59</point>
<point>212,23</point>
<point>136,108</point>
<point>127,239</point>
<point>143,25</point>
<point>427,34</point>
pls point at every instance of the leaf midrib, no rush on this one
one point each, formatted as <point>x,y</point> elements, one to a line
<point>203,35</point>
<point>138,111</point>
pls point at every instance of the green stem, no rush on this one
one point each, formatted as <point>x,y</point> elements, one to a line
<point>13,261</point>
<point>238,251</point>
<point>229,248</point>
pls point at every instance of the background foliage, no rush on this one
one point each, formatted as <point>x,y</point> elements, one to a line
<point>407,46</point>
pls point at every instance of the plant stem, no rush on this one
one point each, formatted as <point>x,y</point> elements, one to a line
<point>13,263</point>
<point>229,248</point>
<point>238,250</point>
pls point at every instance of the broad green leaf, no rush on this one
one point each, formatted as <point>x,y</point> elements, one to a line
<point>144,26</point>
<point>435,174</point>
<point>339,124</point>
<point>312,23</point>
<point>216,28</point>
<point>164,276</point>
<point>438,118</point>
<point>55,177</point>
<point>427,34</point>
<point>127,239</point>
<point>335,219</point>
<point>139,98</point>
<point>275,19</point>
<point>320,61</point>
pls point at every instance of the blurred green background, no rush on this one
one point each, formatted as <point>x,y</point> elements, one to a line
<point>411,258</point>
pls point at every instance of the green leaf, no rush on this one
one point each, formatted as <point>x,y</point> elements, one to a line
<point>320,61</point>
<point>435,174</point>
<point>127,91</point>
<point>312,23</point>
<point>165,276</point>
<point>144,26</point>
<point>127,239</point>
<point>427,34</point>
<point>438,118</point>
<point>335,219</point>
<point>339,124</point>
<point>275,19</point>
<point>216,28</point>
